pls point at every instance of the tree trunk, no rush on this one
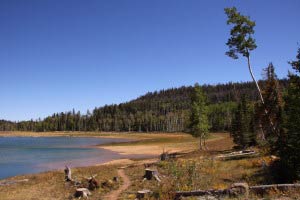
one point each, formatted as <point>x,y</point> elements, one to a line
<point>260,95</point>
<point>253,78</point>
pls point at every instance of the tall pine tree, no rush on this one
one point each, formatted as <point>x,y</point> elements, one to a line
<point>271,123</point>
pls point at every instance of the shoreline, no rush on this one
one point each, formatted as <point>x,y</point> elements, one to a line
<point>130,150</point>
<point>141,146</point>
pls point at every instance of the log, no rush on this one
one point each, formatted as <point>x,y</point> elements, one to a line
<point>180,194</point>
<point>82,192</point>
<point>238,155</point>
<point>236,189</point>
<point>261,189</point>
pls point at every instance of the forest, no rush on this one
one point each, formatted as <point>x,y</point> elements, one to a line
<point>160,111</point>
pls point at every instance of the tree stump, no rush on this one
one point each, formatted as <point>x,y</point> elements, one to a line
<point>68,174</point>
<point>115,179</point>
<point>93,184</point>
<point>82,192</point>
<point>149,173</point>
<point>143,194</point>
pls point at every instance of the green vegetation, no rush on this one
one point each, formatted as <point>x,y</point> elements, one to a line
<point>290,147</point>
<point>162,111</point>
<point>199,126</point>
<point>242,129</point>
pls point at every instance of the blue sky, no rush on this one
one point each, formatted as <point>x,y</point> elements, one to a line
<point>56,55</point>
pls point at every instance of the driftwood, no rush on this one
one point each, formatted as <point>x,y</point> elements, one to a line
<point>235,190</point>
<point>143,194</point>
<point>68,174</point>
<point>4,183</point>
<point>150,173</point>
<point>262,189</point>
<point>82,192</point>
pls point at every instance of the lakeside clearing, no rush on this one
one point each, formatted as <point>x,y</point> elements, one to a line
<point>194,169</point>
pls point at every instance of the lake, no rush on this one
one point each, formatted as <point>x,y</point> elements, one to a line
<point>23,155</point>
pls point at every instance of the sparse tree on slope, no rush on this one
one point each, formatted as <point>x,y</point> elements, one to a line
<point>199,126</point>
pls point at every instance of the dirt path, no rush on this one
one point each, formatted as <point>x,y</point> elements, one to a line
<point>126,183</point>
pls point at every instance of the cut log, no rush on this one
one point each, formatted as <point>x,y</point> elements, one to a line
<point>82,192</point>
<point>143,194</point>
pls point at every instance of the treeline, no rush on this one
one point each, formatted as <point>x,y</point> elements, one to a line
<point>273,123</point>
<point>166,110</point>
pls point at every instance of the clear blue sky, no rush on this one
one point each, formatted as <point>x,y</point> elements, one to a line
<point>56,55</point>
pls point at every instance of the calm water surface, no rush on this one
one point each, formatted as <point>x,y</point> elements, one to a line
<point>22,155</point>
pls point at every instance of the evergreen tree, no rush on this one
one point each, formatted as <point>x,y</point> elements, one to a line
<point>271,123</point>
<point>242,129</point>
<point>199,126</point>
<point>290,156</point>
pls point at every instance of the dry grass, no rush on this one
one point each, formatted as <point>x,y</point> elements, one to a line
<point>194,170</point>
<point>51,185</point>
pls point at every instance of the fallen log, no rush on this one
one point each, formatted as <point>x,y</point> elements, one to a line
<point>262,189</point>
<point>236,189</point>
<point>238,155</point>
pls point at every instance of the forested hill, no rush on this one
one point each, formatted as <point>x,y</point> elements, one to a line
<point>165,110</point>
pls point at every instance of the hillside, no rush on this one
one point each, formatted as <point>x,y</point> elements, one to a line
<point>165,110</point>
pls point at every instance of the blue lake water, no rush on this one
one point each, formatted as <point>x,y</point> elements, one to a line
<point>22,155</point>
